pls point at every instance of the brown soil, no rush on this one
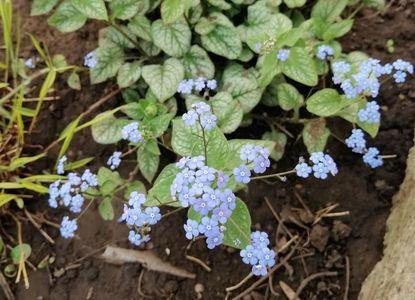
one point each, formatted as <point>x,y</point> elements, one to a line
<point>357,237</point>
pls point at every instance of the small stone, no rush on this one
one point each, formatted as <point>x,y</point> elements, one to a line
<point>319,237</point>
<point>167,250</point>
<point>199,288</point>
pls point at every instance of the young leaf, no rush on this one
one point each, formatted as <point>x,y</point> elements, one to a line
<point>160,192</point>
<point>108,131</point>
<point>197,63</point>
<point>20,252</point>
<point>128,74</point>
<point>289,97</point>
<point>174,39</point>
<point>164,79</point>
<point>338,29</point>
<point>148,161</point>
<point>172,10</point>
<point>188,141</point>
<point>140,25</point>
<point>108,180</point>
<point>134,186</point>
<point>280,140</point>
<point>111,37</point>
<point>300,67</point>
<point>40,7</point>
<point>94,9</point>
<point>110,60</point>
<point>238,227</point>
<point>245,90</point>
<point>74,82</point>
<point>315,135</point>
<point>106,210</point>
<point>269,68</point>
<point>223,40</point>
<point>124,9</point>
<point>326,103</point>
<point>67,18</point>
<point>228,111</point>
<point>159,124</point>
<point>328,10</point>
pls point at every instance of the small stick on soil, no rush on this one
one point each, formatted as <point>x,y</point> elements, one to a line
<point>311,278</point>
<point>198,261</point>
<point>300,199</point>
<point>271,288</point>
<point>6,288</point>
<point>43,220</point>
<point>346,288</point>
<point>277,217</point>
<point>38,227</point>
<point>241,283</point>
<point>139,290</point>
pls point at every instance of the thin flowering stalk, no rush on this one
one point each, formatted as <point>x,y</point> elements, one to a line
<point>274,175</point>
<point>172,212</point>
<point>85,209</point>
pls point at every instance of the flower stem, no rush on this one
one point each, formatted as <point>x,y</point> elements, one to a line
<point>279,175</point>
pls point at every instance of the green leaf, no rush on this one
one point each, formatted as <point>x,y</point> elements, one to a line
<point>222,4</point>
<point>188,141</point>
<point>110,60</point>
<point>22,161</point>
<point>74,82</point>
<point>108,131</point>
<point>6,198</point>
<point>106,210</point>
<point>40,7</point>
<point>20,252</point>
<point>159,124</point>
<point>94,9</point>
<point>140,25</point>
<point>328,10</point>
<point>270,97</point>
<point>128,74</point>
<point>78,164</point>
<point>294,3</point>
<point>108,180</point>
<point>67,18</point>
<point>235,148</point>
<point>280,140</point>
<point>160,192</point>
<point>371,128</point>
<point>300,67</point>
<point>228,111</point>
<point>338,29</point>
<point>269,68</point>
<point>245,90</point>
<point>124,9</point>
<point>238,227</point>
<point>349,113</point>
<point>326,103</point>
<point>149,48</point>
<point>111,37</point>
<point>378,4</point>
<point>315,135</point>
<point>164,79</point>
<point>290,38</point>
<point>197,63</point>
<point>174,38</point>
<point>289,97</point>
<point>148,161</point>
<point>134,186</point>
<point>223,40</point>
<point>172,10</point>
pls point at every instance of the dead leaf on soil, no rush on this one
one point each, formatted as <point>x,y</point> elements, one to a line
<point>149,259</point>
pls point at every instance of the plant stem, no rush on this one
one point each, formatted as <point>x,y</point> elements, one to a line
<point>172,212</point>
<point>273,175</point>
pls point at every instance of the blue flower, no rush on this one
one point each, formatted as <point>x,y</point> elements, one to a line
<point>54,194</point>
<point>30,63</point>
<point>90,60</point>
<point>136,199</point>
<point>196,162</point>
<point>208,226</point>
<point>181,164</point>
<point>399,77</point>
<point>201,206</point>
<point>283,54</point>
<point>61,165</point>
<point>259,239</point>
<point>211,84</point>
<point>205,174</point>
<point>372,159</point>
<point>317,157</point>
<point>214,239</point>
<point>221,213</point>
<point>324,51</point>
<point>266,257</point>
<point>190,118</point>
<point>131,133</point>
<point>303,170</point>
<point>340,68</point>
<point>74,179</point>
<point>247,153</point>
<point>320,170</point>
<point>242,174</point>
<point>222,179</point>
<point>261,164</point>
<point>153,215</point>
<point>114,160</point>
<point>135,238</point>
<point>229,199</point>
<point>68,227</point>
<point>356,141</point>
<point>249,255</point>
<point>76,203</point>
<point>185,86</point>
<point>200,84</point>
<point>370,113</point>
<point>259,270</point>
<point>208,121</point>
<point>89,178</point>
<point>201,108</point>
<point>191,228</point>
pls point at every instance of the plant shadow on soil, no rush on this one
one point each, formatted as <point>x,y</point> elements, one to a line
<point>365,193</point>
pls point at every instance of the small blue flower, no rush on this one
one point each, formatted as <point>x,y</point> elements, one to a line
<point>242,174</point>
<point>89,178</point>
<point>196,162</point>
<point>356,141</point>
<point>205,174</point>
<point>211,84</point>
<point>90,60</point>
<point>317,157</point>
<point>221,213</point>
<point>30,63</point>
<point>201,206</point>
<point>259,270</point>
<point>187,197</point>
<point>200,84</point>
<point>283,54</point>
<point>135,238</point>
<point>68,227</point>
<point>131,133</point>
<point>258,46</point>
<point>214,239</point>
<point>303,170</point>
<point>191,228</point>
<point>190,118</point>
<point>340,68</point>
<point>74,179</point>
<point>324,51</point>
<point>136,199</point>
<point>370,113</point>
<point>208,226</point>
<point>185,86</point>
<point>182,162</point>
<point>320,170</point>
<point>372,158</point>
<point>76,203</point>
<point>208,121</point>
<point>249,255</point>
<point>259,239</point>
<point>54,193</point>
<point>247,153</point>
<point>153,215</point>
<point>114,160</point>
<point>261,164</point>
<point>222,179</point>
<point>399,77</point>
<point>201,108</point>
<point>212,197</point>
<point>61,165</point>
<point>266,257</point>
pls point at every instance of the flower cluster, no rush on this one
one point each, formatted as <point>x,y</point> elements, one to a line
<point>283,54</point>
<point>256,155</point>
<point>60,169</point>
<point>370,113</point>
<point>30,63</point>
<point>324,51</point>
<point>69,194</point>
<point>364,79</point>
<point>90,60</point>
<point>258,254</point>
<point>131,133</point>
<point>202,114</point>
<point>204,188</point>
<point>114,160</point>
<point>356,141</point>
<point>371,158</point>
<point>186,86</point>
<point>322,165</point>
<point>139,218</point>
